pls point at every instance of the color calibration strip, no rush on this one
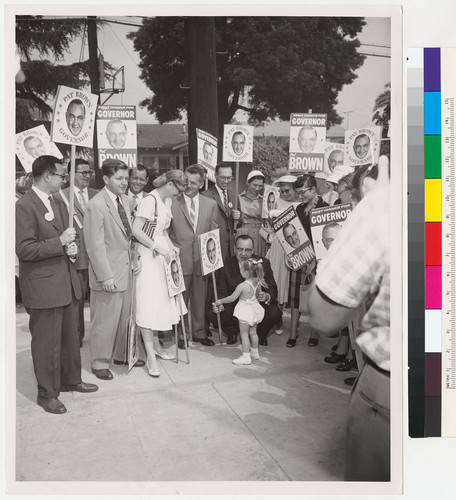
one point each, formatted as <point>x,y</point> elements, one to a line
<point>433,239</point>
<point>416,316</point>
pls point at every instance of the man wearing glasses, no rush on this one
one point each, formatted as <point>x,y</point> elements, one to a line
<point>46,248</point>
<point>82,194</point>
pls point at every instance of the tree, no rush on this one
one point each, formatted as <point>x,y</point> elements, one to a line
<point>267,66</point>
<point>37,39</point>
<point>382,110</point>
<point>270,154</point>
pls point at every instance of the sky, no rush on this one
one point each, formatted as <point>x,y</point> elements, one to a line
<point>357,98</point>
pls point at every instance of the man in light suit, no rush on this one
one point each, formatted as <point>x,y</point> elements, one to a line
<point>107,234</point>
<point>50,285</point>
<point>82,194</point>
<point>136,183</point>
<point>193,215</point>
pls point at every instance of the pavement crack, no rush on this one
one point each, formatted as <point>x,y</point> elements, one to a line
<point>252,433</point>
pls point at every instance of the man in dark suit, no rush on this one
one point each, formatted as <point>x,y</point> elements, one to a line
<point>50,285</point>
<point>107,232</point>
<point>193,215</point>
<point>82,194</point>
<point>229,277</point>
<point>223,196</point>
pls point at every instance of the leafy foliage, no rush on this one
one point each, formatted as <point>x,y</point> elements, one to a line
<point>266,66</point>
<point>270,154</point>
<point>382,110</point>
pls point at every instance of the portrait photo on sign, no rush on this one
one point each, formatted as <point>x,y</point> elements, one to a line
<point>237,143</point>
<point>32,143</point>
<point>174,276</point>
<point>362,146</point>
<point>210,250</point>
<point>74,117</point>
<point>325,224</point>
<point>271,197</point>
<point>207,152</point>
<point>334,156</point>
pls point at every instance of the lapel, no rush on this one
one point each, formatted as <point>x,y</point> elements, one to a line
<point>113,211</point>
<point>41,207</point>
<point>183,207</point>
<point>201,215</point>
<point>77,205</point>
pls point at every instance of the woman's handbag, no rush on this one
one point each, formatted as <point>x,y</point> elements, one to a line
<point>303,297</point>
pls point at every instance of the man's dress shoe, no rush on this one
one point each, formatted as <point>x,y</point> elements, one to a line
<point>263,341</point>
<point>51,405</point>
<point>138,363</point>
<point>81,387</point>
<point>103,374</point>
<point>204,341</point>
<point>231,339</point>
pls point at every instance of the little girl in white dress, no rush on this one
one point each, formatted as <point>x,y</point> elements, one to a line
<point>248,310</point>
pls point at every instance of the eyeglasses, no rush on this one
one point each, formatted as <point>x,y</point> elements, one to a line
<point>246,250</point>
<point>302,192</point>
<point>62,176</point>
<point>85,173</point>
<point>284,191</point>
<point>340,191</point>
<point>225,179</point>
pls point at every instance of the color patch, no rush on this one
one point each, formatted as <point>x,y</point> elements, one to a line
<point>432,113</point>
<point>433,243</point>
<point>433,324</point>
<point>432,156</point>
<point>432,69</point>
<point>433,200</point>
<point>433,287</point>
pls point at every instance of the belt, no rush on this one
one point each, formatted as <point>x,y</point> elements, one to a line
<point>376,367</point>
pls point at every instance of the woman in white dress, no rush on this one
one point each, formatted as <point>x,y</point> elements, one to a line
<point>155,310</point>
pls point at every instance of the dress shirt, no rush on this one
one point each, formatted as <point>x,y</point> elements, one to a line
<point>45,199</point>
<point>196,202</point>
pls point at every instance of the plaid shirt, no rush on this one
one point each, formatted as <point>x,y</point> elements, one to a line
<point>357,271</point>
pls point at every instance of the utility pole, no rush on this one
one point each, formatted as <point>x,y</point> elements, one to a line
<point>202,79</point>
<point>94,88</point>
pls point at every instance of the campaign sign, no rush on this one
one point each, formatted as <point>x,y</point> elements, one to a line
<point>116,132</point>
<point>74,117</point>
<point>237,143</point>
<point>174,277</point>
<point>270,199</point>
<point>32,143</point>
<point>325,224</point>
<point>293,238</point>
<point>334,156</point>
<point>207,152</point>
<point>362,146</point>
<point>307,142</point>
<point>210,251</point>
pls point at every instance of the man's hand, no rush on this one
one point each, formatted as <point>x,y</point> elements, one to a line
<point>217,309</point>
<point>109,285</point>
<point>71,249</point>
<point>236,214</point>
<point>68,236</point>
<point>263,296</point>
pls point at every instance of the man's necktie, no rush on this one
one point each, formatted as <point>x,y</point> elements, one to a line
<point>135,201</point>
<point>82,201</point>
<point>56,213</point>
<point>123,217</point>
<point>225,201</point>
<point>192,212</point>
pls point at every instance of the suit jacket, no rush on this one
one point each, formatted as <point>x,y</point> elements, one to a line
<point>225,222</point>
<point>46,275</point>
<point>106,241</point>
<point>183,235</point>
<point>82,260</point>
<point>229,277</point>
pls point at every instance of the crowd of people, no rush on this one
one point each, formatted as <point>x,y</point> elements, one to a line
<point>111,256</point>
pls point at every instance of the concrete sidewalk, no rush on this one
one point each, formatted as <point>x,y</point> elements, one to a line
<point>280,419</point>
